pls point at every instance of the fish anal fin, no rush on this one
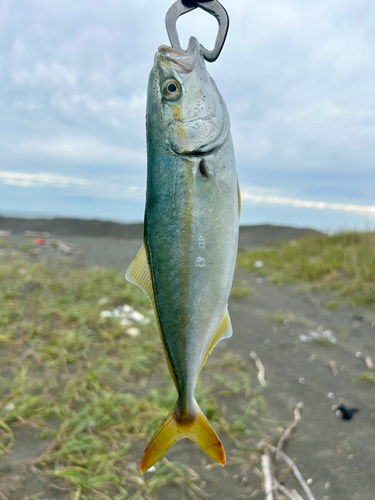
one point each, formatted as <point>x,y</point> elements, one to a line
<point>198,430</point>
<point>139,273</point>
<point>223,331</point>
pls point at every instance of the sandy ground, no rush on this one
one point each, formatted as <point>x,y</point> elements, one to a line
<point>337,455</point>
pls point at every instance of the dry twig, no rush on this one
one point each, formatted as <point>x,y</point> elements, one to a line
<point>297,495</point>
<point>288,431</point>
<point>261,369</point>
<point>267,476</point>
<point>369,363</point>
<point>285,491</point>
<point>334,369</point>
<point>296,472</point>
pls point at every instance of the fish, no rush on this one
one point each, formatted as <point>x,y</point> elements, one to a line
<point>186,263</point>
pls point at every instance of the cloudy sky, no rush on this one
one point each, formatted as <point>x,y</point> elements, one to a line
<point>298,78</point>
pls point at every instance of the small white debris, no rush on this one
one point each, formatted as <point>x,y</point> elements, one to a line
<point>301,380</point>
<point>258,264</point>
<point>309,481</point>
<point>305,338</point>
<point>358,354</point>
<point>331,395</point>
<point>329,336</point>
<point>106,314</point>
<point>133,332</point>
<point>369,363</point>
<point>275,331</point>
<point>10,407</point>
<point>125,322</point>
<point>313,358</point>
<point>351,457</point>
<point>334,408</point>
<point>320,334</point>
<point>138,317</point>
<point>152,470</point>
<point>126,314</point>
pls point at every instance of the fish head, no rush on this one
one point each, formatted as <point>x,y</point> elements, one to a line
<point>186,113</point>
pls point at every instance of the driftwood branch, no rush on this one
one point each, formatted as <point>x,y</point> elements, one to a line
<point>295,471</point>
<point>334,369</point>
<point>267,476</point>
<point>369,363</point>
<point>261,369</point>
<point>288,431</point>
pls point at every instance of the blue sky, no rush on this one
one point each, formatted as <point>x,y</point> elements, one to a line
<point>298,78</point>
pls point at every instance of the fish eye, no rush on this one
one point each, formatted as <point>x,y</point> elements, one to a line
<point>171,89</point>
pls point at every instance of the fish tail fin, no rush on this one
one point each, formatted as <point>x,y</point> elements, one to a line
<point>198,430</point>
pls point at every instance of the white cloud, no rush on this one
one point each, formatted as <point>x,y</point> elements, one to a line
<point>82,149</point>
<point>87,187</point>
<point>53,73</point>
<point>42,179</point>
<point>250,197</point>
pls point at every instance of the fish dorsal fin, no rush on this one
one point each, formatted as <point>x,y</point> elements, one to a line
<point>139,273</point>
<point>239,198</point>
<point>223,331</point>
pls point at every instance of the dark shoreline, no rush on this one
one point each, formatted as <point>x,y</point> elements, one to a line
<point>60,226</point>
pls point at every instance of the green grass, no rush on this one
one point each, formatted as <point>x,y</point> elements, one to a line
<point>343,262</point>
<point>96,394</point>
<point>3,243</point>
<point>332,304</point>
<point>366,377</point>
<point>240,290</point>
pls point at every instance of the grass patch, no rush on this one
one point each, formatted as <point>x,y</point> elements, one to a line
<point>94,392</point>
<point>3,243</point>
<point>290,318</point>
<point>240,289</point>
<point>366,377</point>
<point>343,262</point>
<point>332,304</point>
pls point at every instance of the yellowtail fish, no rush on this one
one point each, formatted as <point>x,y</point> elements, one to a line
<point>187,261</point>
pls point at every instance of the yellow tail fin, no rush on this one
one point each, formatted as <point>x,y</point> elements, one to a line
<point>199,430</point>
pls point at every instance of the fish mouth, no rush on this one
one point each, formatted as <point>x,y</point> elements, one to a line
<point>181,61</point>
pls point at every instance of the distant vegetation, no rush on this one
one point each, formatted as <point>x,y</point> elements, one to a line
<point>343,262</point>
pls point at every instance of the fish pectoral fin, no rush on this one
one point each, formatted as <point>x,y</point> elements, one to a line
<point>139,273</point>
<point>223,331</point>
<point>198,430</point>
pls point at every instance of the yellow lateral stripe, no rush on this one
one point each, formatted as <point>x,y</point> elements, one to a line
<point>139,273</point>
<point>198,430</point>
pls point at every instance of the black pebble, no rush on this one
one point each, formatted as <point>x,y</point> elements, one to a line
<point>347,413</point>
